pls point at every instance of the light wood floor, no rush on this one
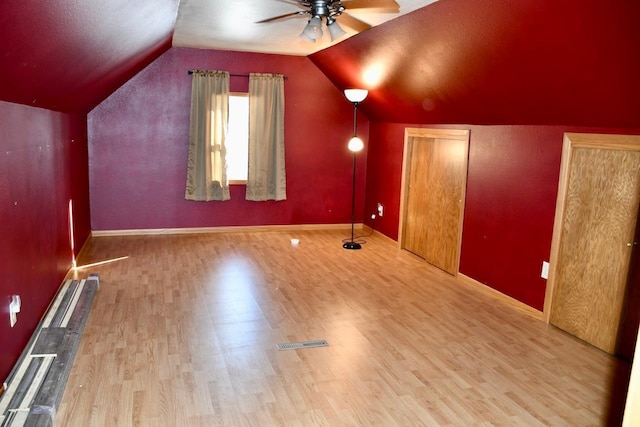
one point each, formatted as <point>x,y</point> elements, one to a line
<point>184,333</point>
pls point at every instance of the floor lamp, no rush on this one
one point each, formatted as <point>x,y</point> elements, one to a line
<point>355,96</point>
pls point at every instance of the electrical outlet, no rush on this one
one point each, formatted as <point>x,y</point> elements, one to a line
<point>380,209</point>
<point>14,309</point>
<point>545,270</point>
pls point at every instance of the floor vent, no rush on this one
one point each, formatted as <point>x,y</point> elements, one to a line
<point>303,344</point>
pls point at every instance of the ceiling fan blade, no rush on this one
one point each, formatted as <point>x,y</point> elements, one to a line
<point>300,3</point>
<point>286,15</point>
<point>375,6</point>
<point>352,23</point>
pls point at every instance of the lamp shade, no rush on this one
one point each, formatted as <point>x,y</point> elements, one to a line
<point>335,31</point>
<point>306,38</point>
<point>313,30</point>
<point>355,144</point>
<point>356,95</point>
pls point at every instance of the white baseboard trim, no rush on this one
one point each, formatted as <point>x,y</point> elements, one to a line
<point>518,305</point>
<point>368,229</point>
<point>234,229</point>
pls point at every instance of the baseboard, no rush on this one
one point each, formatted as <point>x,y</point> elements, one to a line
<point>84,247</point>
<point>369,229</point>
<point>209,230</point>
<point>518,305</point>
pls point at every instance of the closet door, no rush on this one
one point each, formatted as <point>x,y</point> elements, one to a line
<point>415,230</point>
<point>594,239</point>
<point>435,175</point>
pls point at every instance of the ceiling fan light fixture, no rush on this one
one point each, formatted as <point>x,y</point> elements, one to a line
<point>313,30</point>
<point>306,38</point>
<point>335,31</point>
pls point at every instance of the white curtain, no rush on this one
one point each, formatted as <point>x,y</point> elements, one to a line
<point>207,169</point>
<point>266,178</point>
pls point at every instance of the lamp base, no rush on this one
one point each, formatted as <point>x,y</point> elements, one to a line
<point>352,245</point>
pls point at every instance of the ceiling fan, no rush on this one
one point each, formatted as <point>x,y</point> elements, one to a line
<point>329,11</point>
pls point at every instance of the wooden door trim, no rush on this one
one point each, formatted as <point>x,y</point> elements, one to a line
<point>452,134</point>
<point>572,141</point>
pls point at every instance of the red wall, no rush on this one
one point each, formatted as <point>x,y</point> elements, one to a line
<point>68,55</point>
<point>138,148</point>
<point>43,164</point>
<point>496,62</point>
<point>510,203</point>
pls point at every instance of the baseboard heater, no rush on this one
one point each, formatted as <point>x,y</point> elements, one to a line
<point>35,386</point>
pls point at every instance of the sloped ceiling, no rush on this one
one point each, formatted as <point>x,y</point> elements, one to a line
<point>68,55</point>
<point>570,62</point>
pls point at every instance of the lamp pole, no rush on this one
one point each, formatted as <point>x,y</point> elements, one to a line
<point>355,96</point>
<point>352,244</point>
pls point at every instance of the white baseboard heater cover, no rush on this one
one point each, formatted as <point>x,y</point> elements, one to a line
<point>35,386</point>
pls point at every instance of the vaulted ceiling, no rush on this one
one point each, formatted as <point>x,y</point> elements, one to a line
<point>68,55</point>
<point>569,62</point>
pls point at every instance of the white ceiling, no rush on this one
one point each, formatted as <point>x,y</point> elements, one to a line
<point>230,25</point>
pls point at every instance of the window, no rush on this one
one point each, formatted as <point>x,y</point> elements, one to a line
<point>237,142</point>
<point>265,178</point>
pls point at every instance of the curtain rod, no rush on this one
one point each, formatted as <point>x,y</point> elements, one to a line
<point>236,75</point>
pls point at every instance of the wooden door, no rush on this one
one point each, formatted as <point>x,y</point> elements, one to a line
<point>415,232</point>
<point>435,174</point>
<point>593,238</point>
<point>628,332</point>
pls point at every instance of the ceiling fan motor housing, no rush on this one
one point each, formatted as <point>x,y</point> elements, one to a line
<point>327,11</point>
<point>326,8</point>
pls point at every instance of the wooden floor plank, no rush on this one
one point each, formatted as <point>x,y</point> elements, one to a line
<point>184,332</point>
